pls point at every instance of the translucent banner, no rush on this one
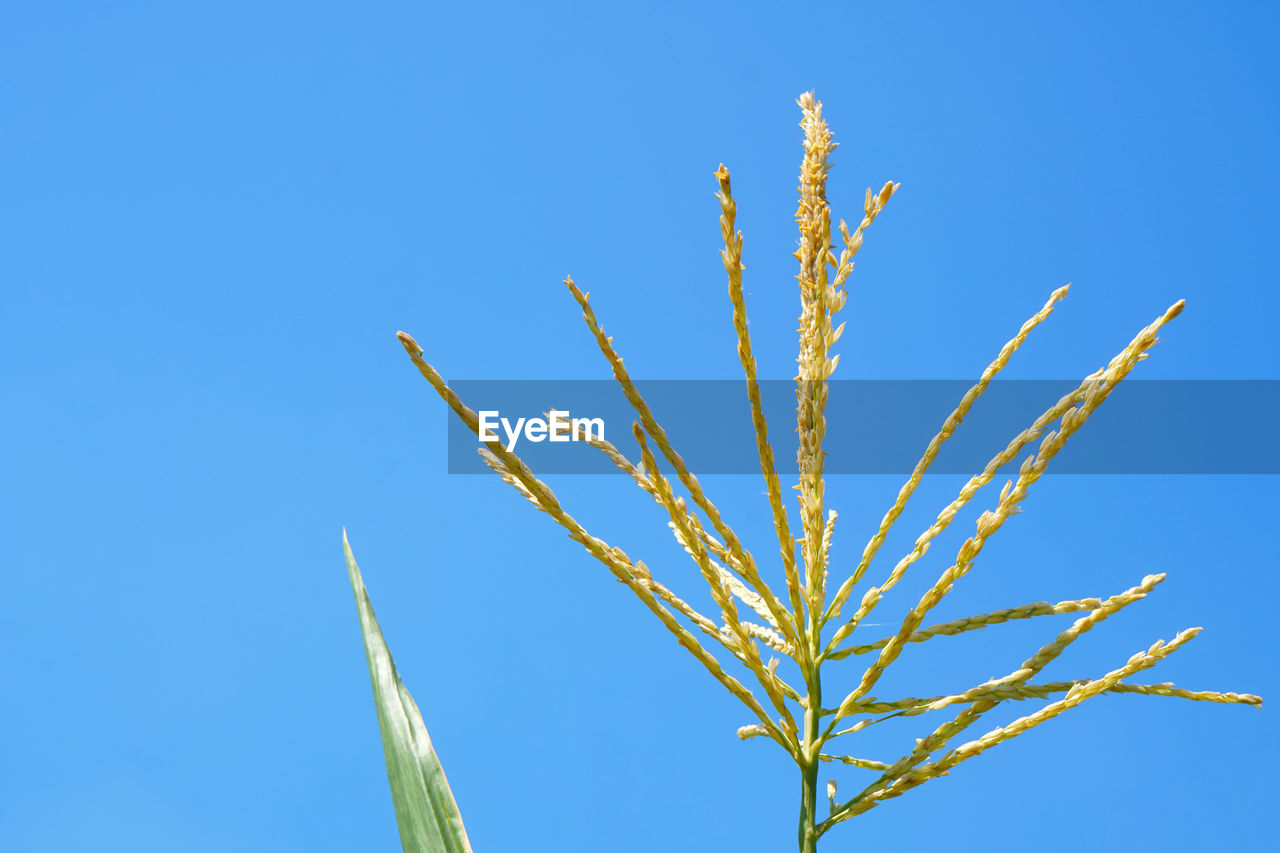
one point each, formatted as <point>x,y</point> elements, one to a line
<point>878,426</point>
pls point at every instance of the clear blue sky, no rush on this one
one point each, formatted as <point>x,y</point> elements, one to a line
<point>216,216</point>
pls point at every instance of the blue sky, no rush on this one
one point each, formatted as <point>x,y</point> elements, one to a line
<point>218,215</point>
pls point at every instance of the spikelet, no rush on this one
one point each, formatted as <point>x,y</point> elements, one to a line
<point>973,623</point>
<point>818,302</point>
<point>864,763</point>
<point>898,785</point>
<point>773,686</point>
<point>515,472</point>
<point>731,254</point>
<point>935,445</point>
<point>1001,692</point>
<point>1072,411</point>
<point>651,427</point>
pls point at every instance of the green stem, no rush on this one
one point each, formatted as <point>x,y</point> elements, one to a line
<point>808,836</point>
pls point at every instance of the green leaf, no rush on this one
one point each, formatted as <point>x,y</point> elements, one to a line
<point>425,809</point>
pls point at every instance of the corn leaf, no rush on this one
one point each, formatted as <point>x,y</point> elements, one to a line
<point>425,809</point>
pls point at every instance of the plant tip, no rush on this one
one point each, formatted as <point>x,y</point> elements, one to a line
<point>411,346</point>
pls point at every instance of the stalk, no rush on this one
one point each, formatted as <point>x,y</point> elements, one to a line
<point>811,745</point>
<point>808,808</point>
<point>808,835</point>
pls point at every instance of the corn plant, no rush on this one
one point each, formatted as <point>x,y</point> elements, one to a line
<point>810,617</point>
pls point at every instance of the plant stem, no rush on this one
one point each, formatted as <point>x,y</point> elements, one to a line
<point>808,837</point>
<point>808,807</point>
